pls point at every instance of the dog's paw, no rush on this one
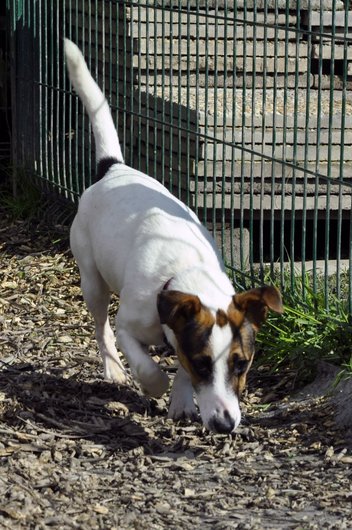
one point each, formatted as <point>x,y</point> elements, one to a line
<point>180,409</point>
<point>114,372</point>
<point>156,384</point>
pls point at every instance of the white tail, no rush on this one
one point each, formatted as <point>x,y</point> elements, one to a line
<point>107,143</point>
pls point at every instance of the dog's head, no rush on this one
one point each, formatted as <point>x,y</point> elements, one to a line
<point>216,347</point>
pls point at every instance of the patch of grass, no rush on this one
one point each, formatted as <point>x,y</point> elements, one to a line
<point>307,333</point>
<point>27,201</point>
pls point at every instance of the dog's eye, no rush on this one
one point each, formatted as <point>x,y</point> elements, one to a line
<point>203,366</point>
<point>239,366</point>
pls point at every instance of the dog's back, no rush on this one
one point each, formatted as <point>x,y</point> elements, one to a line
<point>127,220</point>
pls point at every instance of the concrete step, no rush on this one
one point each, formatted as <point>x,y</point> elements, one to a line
<point>325,51</point>
<point>313,5</point>
<point>326,18</point>
<point>214,64</point>
<point>209,16</point>
<point>288,152</point>
<point>247,136</point>
<point>222,104</point>
<point>278,203</point>
<point>228,80</point>
<point>184,163</point>
<point>228,48</point>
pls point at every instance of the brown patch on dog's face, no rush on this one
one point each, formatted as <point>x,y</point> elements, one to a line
<point>241,355</point>
<point>193,323</point>
<point>255,303</point>
<point>246,313</point>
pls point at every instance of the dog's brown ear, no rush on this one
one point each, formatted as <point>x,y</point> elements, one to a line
<point>256,302</point>
<point>175,308</point>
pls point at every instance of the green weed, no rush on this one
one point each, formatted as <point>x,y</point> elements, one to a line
<point>308,333</point>
<point>25,204</point>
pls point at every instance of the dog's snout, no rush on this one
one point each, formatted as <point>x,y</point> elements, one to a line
<point>222,423</point>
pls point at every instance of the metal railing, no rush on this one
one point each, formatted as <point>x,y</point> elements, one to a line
<point>244,112</point>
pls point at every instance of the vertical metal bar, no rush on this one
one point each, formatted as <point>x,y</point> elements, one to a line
<point>77,184</point>
<point>197,105</point>
<point>14,94</point>
<point>163,76</point>
<point>284,154</point>
<point>40,89</point>
<point>69,120</point>
<point>124,79</point>
<point>318,140</point>
<point>179,106</point>
<point>139,89</point>
<point>226,21</point>
<point>294,153</point>
<point>328,186</point>
<point>146,121</point>
<point>53,176</point>
<point>155,98</point>
<point>62,96</point>
<point>45,131</point>
<point>132,89</point>
<point>188,112</point>
<point>86,178</point>
<point>252,140</point>
<point>215,118</point>
<point>342,155</point>
<point>243,135</point>
<point>57,103</point>
<point>274,147</point>
<point>263,144</point>
<point>206,107</point>
<point>308,124</point>
<point>234,155</point>
<point>88,5</point>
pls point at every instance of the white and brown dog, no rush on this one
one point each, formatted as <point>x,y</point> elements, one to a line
<point>133,237</point>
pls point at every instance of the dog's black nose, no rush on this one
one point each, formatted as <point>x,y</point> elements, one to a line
<point>222,424</point>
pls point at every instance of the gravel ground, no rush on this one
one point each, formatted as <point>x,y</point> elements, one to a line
<point>77,452</point>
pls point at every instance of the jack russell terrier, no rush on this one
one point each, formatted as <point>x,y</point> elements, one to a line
<point>133,237</point>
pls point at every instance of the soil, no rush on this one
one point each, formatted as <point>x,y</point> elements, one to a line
<point>78,452</point>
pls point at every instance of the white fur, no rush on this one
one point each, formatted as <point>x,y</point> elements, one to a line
<point>215,399</point>
<point>131,236</point>
<point>106,140</point>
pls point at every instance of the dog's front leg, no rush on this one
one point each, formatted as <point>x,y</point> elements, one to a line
<point>181,399</point>
<point>152,379</point>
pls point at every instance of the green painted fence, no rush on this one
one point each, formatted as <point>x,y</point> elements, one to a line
<point>243,109</point>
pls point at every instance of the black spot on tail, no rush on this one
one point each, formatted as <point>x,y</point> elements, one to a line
<point>104,165</point>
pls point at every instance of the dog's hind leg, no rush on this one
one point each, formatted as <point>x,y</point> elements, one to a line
<point>97,297</point>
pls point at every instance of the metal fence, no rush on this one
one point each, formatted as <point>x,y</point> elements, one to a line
<point>242,108</point>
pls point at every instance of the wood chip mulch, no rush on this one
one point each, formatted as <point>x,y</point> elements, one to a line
<point>79,453</point>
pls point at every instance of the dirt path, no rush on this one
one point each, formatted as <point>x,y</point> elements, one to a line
<point>76,452</point>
